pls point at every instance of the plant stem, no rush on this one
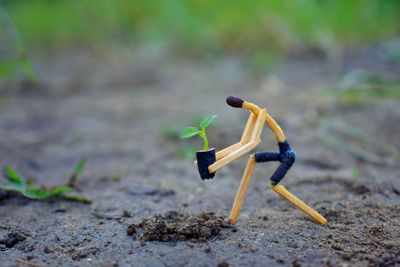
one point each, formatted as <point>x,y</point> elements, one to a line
<point>202,134</point>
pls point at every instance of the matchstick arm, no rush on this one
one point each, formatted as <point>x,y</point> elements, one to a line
<point>222,153</point>
<point>245,139</point>
<point>253,142</point>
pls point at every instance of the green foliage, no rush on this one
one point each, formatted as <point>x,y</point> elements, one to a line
<point>207,121</point>
<point>208,25</point>
<point>17,183</point>
<point>354,171</point>
<point>358,86</point>
<point>79,167</point>
<point>169,132</point>
<point>193,131</point>
<point>189,132</point>
<point>13,57</point>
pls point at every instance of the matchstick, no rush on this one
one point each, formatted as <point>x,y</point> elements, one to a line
<point>283,192</point>
<point>249,128</point>
<point>244,139</point>
<point>256,135</point>
<point>242,190</point>
<point>255,140</point>
<point>222,153</point>
<point>251,107</point>
<point>275,128</point>
<point>230,157</point>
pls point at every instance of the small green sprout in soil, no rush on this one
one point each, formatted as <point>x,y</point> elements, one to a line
<point>174,226</point>
<point>193,131</point>
<point>79,168</point>
<point>17,183</point>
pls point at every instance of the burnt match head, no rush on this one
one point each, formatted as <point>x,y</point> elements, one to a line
<point>234,101</point>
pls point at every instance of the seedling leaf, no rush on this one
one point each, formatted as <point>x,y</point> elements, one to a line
<point>78,198</point>
<point>13,176</point>
<point>78,170</point>
<point>207,121</point>
<point>16,183</point>
<point>79,167</point>
<point>37,193</point>
<point>14,187</point>
<point>189,132</point>
<point>60,190</point>
<point>192,131</point>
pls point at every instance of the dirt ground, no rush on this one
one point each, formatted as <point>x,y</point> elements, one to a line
<point>114,111</point>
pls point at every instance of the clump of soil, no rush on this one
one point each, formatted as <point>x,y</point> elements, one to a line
<point>12,239</point>
<point>174,226</point>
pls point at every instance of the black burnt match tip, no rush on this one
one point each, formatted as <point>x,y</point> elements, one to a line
<point>234,101</point>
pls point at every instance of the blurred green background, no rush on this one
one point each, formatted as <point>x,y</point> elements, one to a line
<point>258,30</point>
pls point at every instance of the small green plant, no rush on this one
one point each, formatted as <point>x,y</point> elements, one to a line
<point>193,131</point>
<point>17,183</point>
<point>79,168</point>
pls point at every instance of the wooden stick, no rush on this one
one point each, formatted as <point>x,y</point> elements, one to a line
<point>275,128</point>
<point>230,157</point>
<point>245,139</point>
<point>248,129</point>
<point>256,135</point>
<point>251,107</point>
<point>242,190</point>
<point>255,140</point>
<point>283,192</point>
<point>220,154</point>
<point>271,123</point>
<point>29,263</point>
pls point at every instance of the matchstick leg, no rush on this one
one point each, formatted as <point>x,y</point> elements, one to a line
<point>242,190</point>
<point>283,192</point>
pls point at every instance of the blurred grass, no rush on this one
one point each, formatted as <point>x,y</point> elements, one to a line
<point>358,86</point>
<point>13,56</point>
<point>207,26</point>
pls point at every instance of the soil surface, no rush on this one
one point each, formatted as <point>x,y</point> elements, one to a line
<point>174,226</point>
<point>121,113</point>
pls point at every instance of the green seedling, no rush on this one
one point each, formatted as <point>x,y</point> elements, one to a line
<point>201,131</point>
<point>17,183</point>
<point>78,170</point>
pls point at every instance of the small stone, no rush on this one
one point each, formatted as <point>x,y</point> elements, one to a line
<point>253,249</point>
<point>48,250</point>
<point>126,214</point>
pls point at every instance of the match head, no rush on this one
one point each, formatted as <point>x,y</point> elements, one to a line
<point>234,101</point>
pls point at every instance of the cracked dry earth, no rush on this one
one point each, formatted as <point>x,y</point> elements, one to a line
<point>116,119</point>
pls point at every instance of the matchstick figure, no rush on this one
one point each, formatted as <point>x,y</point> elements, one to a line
<point>250,140</point>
